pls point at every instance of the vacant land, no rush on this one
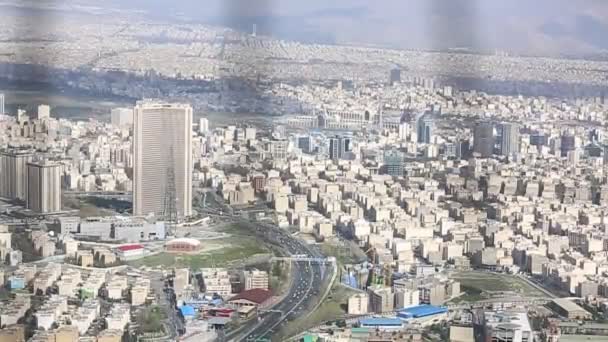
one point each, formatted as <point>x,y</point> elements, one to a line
<point>333,308</point>
<point>346,252</point>
<point>485,285</point>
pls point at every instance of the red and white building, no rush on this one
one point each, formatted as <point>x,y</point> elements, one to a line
<point>130,251</point>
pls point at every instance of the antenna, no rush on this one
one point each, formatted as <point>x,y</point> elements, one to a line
<point>170,200</point>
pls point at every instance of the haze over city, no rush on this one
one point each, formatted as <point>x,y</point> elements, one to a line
<point>256,170</point>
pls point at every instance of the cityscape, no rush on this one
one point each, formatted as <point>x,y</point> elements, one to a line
<point>165,179</point>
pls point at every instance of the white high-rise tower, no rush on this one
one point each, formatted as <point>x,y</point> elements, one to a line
<point>162,152</point>
<point>509,144</point>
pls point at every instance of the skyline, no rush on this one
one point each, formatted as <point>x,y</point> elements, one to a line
<point>285,170</point>
<point>545,27</point>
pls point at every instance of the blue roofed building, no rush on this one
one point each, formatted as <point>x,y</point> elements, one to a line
<point>187,311</point>
<point>16,282</point>
<point>421,311</point>
<point>382,323</point>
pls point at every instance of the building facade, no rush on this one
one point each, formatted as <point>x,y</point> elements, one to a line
<point>13,173</point>
<point>509,144</point>
<point>483,140</point>
<point>44,187</point>
<point>163,158</point>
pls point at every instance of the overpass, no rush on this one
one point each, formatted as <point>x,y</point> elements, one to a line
<point>328,260</point>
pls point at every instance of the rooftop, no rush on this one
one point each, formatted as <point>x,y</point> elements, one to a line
<point>257,296</point>
<point>126,248</point>
<point>567,305</point>
<point>423,310</point>
<point>381,321</point>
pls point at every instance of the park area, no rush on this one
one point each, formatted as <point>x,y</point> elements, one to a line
<point>237,246</point>
<point>478,285</point>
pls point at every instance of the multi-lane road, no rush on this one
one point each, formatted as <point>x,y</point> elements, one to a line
<point>307,281</point>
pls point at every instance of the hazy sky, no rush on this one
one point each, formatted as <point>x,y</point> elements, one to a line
<point>522,26</point>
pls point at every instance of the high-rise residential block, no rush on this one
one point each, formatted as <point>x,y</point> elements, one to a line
<point>509,144</point>
<point>393,163</point>
<point>13,173</point>
<point>44,187</point>
<point>203,125</point>
<point>483,139</point>
<point>425,125</point>
<point>121,117</point>
<point>162,171</point>
<point>338,146</point>
<point>44,112</point>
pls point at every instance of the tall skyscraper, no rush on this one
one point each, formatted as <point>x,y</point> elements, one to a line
<point>2,104</point>
<point>162,151</point>
<point>424,128</point>
<point>509,144</point>
<point>13,173</point>
<point>44,187</point>
<point>483,140</point>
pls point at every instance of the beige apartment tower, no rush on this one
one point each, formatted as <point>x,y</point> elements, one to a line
<point>13,173</point>
<point>162,151</point>
<point>44,187</point>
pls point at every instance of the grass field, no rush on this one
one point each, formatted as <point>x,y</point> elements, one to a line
<point>484,285</point>
<point>240,245</point>
<point>234,250</point>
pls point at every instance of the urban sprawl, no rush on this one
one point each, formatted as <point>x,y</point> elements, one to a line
<point>380,204</point>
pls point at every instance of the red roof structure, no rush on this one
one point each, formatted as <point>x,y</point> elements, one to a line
<point>125,248</point>
<point>258,296</point>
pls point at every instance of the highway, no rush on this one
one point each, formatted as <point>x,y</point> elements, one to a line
<point>308,279</point>
<point>306,284</point>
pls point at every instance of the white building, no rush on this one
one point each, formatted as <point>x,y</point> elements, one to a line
<point>122,117</point>
<point>358,304</point>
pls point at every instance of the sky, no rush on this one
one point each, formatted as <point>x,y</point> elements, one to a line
<point>535,27</point>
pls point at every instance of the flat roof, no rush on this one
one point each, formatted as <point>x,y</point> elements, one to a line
<point>381,321</point>
<point>423,310</point>
<point>187,310</point>
<point>568,305</point>
<point>189,241</point>
<point>246,309</point>
<point>219,320</point>
<point>125,248</point>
